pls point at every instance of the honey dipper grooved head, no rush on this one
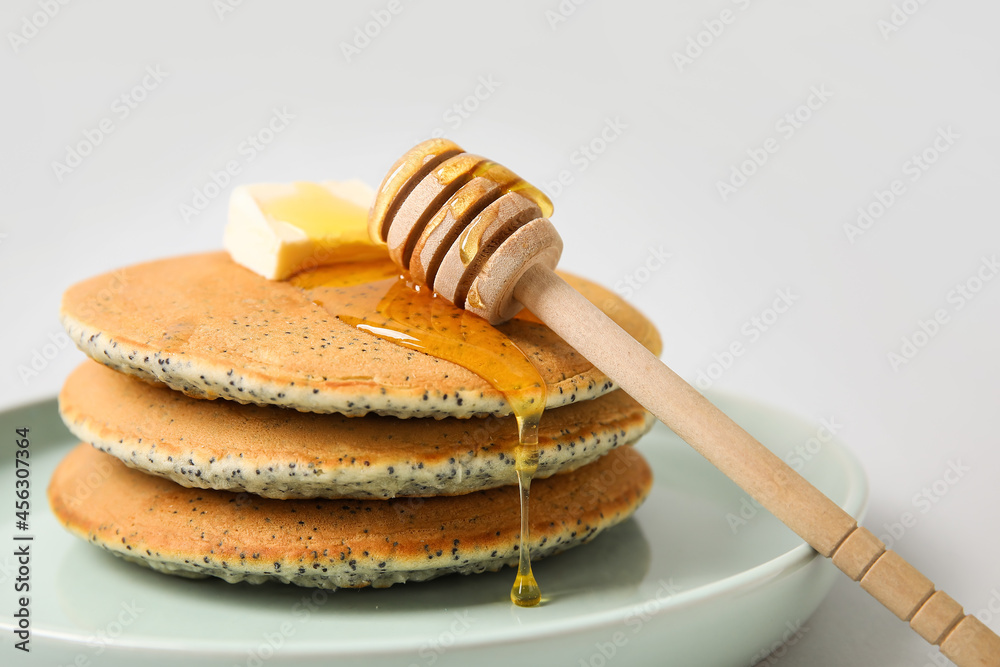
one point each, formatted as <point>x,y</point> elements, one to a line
<point>465,226</point>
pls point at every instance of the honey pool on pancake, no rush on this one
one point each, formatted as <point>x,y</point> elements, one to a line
<point>372,296</point>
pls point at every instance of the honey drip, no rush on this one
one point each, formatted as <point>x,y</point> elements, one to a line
<point>411,316</point>
<point>472,236</point>
<point>525,591</point>
<point>373,297</point>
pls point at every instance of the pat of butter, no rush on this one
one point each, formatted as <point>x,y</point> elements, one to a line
<point>279,229</point>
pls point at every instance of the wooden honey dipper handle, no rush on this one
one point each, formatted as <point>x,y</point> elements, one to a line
<point>475,232</point>
<point>769,480</point>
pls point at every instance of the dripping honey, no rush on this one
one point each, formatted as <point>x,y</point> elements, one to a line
<point>519,382</point>
<point>373,297</point>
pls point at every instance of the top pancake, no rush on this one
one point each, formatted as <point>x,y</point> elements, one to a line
<point>204,325</point>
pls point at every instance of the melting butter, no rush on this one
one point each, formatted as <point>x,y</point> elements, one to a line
<point>279,229</point>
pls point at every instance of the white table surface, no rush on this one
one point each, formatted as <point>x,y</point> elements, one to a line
<point>548,83</point>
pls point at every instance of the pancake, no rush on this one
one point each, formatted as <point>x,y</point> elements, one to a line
<point>334,543</point>
<point>281,453</point>
<point>204,325</point>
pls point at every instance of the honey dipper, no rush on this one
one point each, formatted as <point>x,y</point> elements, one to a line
<point>476,234</point>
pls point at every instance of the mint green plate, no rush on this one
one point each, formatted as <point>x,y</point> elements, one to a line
<point>699,576</point>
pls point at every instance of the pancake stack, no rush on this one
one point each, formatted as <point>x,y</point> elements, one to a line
<point>234,428</point>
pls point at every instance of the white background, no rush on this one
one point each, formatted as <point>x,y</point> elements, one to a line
<point>555,85</point>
